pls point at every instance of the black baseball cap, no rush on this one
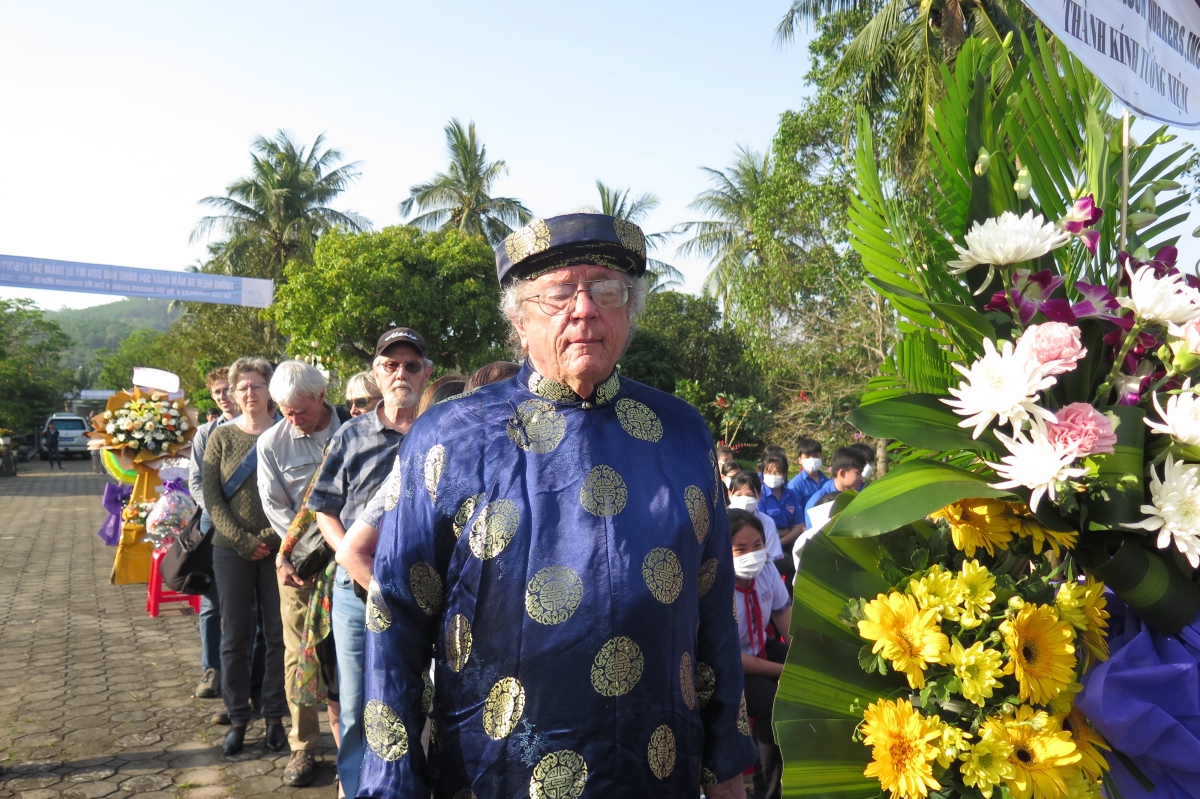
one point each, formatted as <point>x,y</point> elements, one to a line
<point>401,335</point>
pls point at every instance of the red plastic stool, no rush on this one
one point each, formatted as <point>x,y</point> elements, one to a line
<point>155,593</point>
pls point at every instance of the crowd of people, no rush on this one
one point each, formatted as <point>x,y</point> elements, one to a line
<point>466,520</point>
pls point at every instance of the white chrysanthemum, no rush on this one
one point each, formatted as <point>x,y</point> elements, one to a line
<point>1160,300</point>
<point>1008,239</point>
<point>1001,384</point>
<point>1176,509</point>
<point>1181,419</point>
<point>1035,463</point>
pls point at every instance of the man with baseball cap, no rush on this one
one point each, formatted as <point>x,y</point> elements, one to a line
<point>360,455</point>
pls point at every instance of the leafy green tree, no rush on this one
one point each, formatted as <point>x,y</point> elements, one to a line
<point>31,381</point>
<point>619,203</point>
<point>143,347</point>
<point>441,284</point>
<point>460,198</point>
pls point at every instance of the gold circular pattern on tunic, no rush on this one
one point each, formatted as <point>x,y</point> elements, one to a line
<point>693,497</point>
<point>426,693</point>
<point>638,420</point>
<point>529,240</point>
<point>661,752</point>
<point>465,511</point>
<point>435,461</point>
<point>663,574</point>
<point>391,490</point>
<point>559,775</point>
<point>379,615</point>
<point>708,576</point>
<point>603,492</point>
<point>550,389</point>
<point>743,719</point>
<point>495,527</point>
<point>458,642</point>
<point>426,586</point>
<point>538,427</point>
<point>706,683</point>
<point>707,778</point>
<point>687,681</point>
<point>617,667</point>
<point>630,235</point>
<point>503,708</point>
<point>384,731</point>
<point>553,595</point>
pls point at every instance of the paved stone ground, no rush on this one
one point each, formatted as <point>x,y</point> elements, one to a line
<point>96,699</point>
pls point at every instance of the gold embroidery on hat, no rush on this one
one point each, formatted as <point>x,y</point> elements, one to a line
<point>553,595</point>
<point>687,681</point>
<point>603,492</point>
<point>465,511</point>
<point>538,427</point>
<point>435,461</point>
<point>638,420</point>
<point>458,642</point>
<point>617,667</point>
<point>384,731</point>
<point>661,752</point>
<point>693,497</point>
<point>708,576</point>
<point>426,586</point>
<point>559,775</point>
<point>706,683</point>
<point>631,236</point>
<point>503,708</point>
<point>495,527</point>
<point>529,240</point>
<point>379,615</point>
<point>663,574</point>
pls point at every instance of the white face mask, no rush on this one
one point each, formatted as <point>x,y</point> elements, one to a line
<point>810,464</point>
<point>749,565</point>
<point>773,480</point>
<point>744,503</point>
<point>866,472</point>
<point>727,480</point>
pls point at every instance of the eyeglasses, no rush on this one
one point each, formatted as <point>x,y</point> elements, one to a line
<point>362,403</point>
<point>559,298</point>
<point>412,367</point>
<point>246,388</point>
<point>221,392</point>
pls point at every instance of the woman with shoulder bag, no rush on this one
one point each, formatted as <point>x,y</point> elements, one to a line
<point>243,562</point>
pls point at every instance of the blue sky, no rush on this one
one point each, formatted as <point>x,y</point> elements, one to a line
<point>119,117</point>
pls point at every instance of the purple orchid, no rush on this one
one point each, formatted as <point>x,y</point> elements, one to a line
<point>1080,218</point>
<point>1131,387</point>
<point>1030,291</point>
<point>1097,303</point>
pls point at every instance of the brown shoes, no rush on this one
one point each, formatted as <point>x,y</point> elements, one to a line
<point>300,770</point>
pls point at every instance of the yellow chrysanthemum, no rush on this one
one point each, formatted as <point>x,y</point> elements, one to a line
<point>1095,638</point>
<point>1068,603</point>
<point>1040,652</point>
<point>939,591</point>
<point>1027,526</point>
<point>951,742</point>
<point>978,524</point>
<point>986,765</point>
<point>977,668</point>
<point>1089,743</point>
<point>976,584</point>
<point>1042,754</point>
<point>901,752</point>
<point>908,637</point>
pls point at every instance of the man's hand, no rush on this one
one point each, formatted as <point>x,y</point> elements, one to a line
<point>260,553</point>
<point>730,789</point>
<point>290,577</point>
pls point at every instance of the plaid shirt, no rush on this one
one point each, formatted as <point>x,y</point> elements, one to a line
<point>360,456</point>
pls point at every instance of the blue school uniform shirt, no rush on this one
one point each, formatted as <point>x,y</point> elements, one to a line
<point>815,500</point>
<point>804,484</point>
<point>566,563</point>
<point>786,511</point>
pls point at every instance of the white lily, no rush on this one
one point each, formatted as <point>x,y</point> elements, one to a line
<point>1001,384</point>
<point>1035,463</point>
<point>1008,239</point>
<point>1175,513</point>
<point>1160,300</point>
<point>1181,419</point>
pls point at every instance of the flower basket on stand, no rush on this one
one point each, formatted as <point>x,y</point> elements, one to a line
<point>985,620</point>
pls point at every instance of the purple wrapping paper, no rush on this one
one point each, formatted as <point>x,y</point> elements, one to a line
<point>1145,699</point>
<point>116,495</point>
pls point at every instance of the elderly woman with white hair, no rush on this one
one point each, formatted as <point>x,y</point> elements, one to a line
<point>243,545</point>
<point>362,393</point>
<point>558,543</point>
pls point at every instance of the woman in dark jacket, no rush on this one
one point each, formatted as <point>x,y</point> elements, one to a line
<point>243,562</point>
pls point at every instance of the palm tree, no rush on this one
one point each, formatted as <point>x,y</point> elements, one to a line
<point>460,197</point>
<point>277,213</point>
<point>618,203</point>
<point>728,239</point>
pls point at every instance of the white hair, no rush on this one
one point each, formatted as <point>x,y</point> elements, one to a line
<point>296,379</point>
<point>363,384</point>
<point>512,305</point>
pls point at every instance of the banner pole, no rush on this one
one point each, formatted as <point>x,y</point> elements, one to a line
<point>1124,175</point>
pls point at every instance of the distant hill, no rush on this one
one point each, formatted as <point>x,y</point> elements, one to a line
<point>104,326</point>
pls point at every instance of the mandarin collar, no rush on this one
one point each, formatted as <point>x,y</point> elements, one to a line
<point>555,391</point>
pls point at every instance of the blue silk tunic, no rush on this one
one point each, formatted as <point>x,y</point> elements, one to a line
<point>566,564</point>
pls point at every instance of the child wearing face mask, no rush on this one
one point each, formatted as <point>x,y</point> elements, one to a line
<point>744,494</point>
<point>760,597</point>
<point>810,477</point>
<point>868,455</point>
<point>782,505</point>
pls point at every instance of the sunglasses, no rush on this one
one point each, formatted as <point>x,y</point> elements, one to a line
<point>412,367</point>
<point>361,403</point>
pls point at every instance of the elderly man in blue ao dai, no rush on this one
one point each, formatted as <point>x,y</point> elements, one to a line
<point>557,545</point>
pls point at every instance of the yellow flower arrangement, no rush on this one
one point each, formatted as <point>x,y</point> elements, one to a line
<point>908,637</point>
<point>902,754</point>
<point>978,668</point>
<point>1041,653</point>
<point>939,591</point>
<point>1042,755</point>
<point>978,524</point>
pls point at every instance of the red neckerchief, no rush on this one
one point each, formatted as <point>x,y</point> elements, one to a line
<point>754,619</point>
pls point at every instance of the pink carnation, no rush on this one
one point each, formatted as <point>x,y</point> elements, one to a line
<point>1054,344</point>
<point>1083,430</point>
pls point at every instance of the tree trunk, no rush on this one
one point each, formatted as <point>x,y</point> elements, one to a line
<point>881,458</point>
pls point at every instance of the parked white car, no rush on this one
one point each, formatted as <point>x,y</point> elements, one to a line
<point>72,435</point>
